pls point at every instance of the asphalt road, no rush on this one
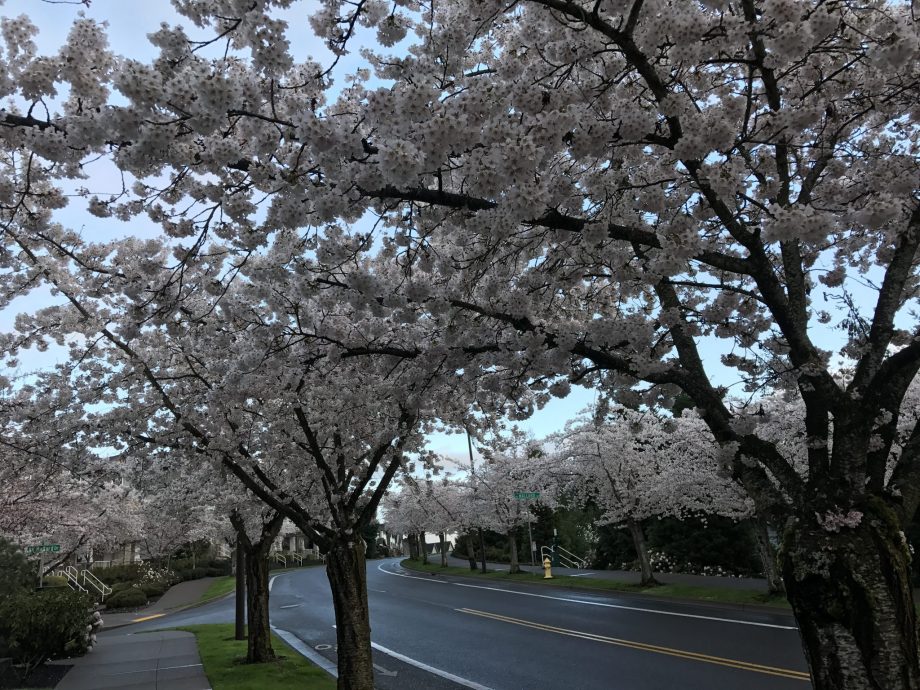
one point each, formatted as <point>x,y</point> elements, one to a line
<point>436,632</point>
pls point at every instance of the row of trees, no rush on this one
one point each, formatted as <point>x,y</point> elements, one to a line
<point>563,192</point>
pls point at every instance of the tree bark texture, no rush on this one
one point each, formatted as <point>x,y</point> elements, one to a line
<point>413,546</point>
<point>471,551</point>
<point>423,547</point>
<point>512,541</point>
<point>767,555</point>
<point>851,593</point>
<point>482,550</point>
<point>443,541</point>
<point>647,577</point>
<point>345,568</point>
<point>259,634</point>
<point>240,622</point>
<point>254,567</point>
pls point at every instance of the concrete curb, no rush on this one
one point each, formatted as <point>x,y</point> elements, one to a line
<point>298,646</point>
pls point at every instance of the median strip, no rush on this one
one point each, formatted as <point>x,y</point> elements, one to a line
<point>641,646</point>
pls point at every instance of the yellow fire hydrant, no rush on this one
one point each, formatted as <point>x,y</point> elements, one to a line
<point>547,569</point>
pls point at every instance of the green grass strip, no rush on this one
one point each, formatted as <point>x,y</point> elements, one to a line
<point>219,587</point>
<point>223,659</point>
<point>724,595</point>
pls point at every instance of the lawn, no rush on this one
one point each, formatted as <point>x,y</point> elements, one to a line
<point>222,655</point>
<point>226,584</point>
<point>219,587</point>
<point>723,595</point>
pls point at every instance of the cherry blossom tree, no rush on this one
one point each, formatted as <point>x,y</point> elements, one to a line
<point>256,527</point>
<point>635,466</point>
<point>514,463</point>
<point>580,191</point>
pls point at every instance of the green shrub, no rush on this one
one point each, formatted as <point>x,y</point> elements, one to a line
<point>54,581</point>
<point>16,573</point>
<point>130,572</point>
<point>153,589</point>
<point>43,625</point>
<point>121,586</point>
<point>127,598</point>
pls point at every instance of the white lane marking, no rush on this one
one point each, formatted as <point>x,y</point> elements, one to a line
<point>385,672</point>
<point>411,577</point>
<point>289,606</point>
<point>382,591</point>
<point>305,651</point>
<point>582,574</point>
<point>431,669</point>
<point>597,603</point>
<point>272,581</point>
<point>634,608</point>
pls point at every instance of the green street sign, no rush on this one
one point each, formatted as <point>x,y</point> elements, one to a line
<point>526,495</point>
<point>43,548</point>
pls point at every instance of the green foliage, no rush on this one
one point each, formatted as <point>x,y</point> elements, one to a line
<point>121,587</point>
<point>16,572</point>
<point>43,625</point>
<point>370,533</point>
<point>714,542</point>
<point>153,589</point>
<point>54,581</point>
<point>127,598</point>
<point>112,575</point>
<point>614,548</point>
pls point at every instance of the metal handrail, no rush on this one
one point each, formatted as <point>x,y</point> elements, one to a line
<point>103,589</point>
<point>278,556</point>
<point>72,575</point>
<point>577,559</point>
<point>567,562</point>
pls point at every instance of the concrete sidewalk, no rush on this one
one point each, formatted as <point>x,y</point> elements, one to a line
<point>164,660</point>
<point>177,597</point>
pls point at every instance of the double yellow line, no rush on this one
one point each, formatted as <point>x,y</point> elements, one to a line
<point>680,653</point>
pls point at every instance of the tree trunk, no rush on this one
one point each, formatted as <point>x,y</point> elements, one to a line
<point>512,540</point>
<point>768,557</point>
<point>423,547</point>
<point>482,550</point>
<point>647,578</point>
<point>259,647</point>
<point>413,546</point>
<point>443,541</point>
<point>345,569</point>
<point>240,592</point>
<point>471,551</point>
<point>851,593</point>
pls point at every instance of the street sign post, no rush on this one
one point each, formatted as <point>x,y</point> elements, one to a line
<point>529,496</point>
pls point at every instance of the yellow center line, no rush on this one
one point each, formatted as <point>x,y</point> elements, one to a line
<point>642,646</point>
<point>148,618</point>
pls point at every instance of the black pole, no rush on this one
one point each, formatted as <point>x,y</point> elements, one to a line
<point>240,593</point>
